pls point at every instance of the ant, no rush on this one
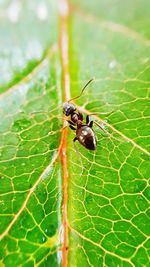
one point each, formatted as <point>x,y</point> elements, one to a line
<point>84,132</point>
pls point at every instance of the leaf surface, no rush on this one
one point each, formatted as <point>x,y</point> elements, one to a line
<point>107,191</point>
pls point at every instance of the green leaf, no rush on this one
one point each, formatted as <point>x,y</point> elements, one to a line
<point>106,192</point>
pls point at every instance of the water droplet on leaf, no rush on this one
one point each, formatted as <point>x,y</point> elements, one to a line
<point>43,239</point>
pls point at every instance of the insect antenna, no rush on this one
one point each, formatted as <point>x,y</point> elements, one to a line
<point>81,91</point>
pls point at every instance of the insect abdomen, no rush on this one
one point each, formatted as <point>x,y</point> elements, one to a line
<point>86,137</point>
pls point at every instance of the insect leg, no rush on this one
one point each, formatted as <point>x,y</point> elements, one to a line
<point>71,127</point>
<point>87,119</point>
<point>101,127</point>
<point>91,124</point>
<point>102,113</point>
<point>71,123</point>
<point>75,139</point>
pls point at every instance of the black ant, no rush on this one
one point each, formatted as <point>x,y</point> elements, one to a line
<point>84,132</point>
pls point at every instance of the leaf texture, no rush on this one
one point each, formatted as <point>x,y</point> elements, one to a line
<point>107,193</point>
